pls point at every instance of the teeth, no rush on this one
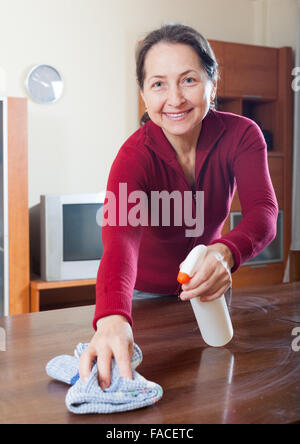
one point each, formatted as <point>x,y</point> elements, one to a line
<point>176,115</point>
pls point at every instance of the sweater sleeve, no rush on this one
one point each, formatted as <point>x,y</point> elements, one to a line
<point>259,205</point>
<point>118,267</point>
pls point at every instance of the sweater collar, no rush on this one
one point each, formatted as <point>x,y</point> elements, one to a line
<point>212,129</point>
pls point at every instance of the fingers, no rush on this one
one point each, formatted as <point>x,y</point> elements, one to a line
<point>123,361</point>
<point>205,294</point>
<point>208,283</point>
<point>104,357</point>
<point>113,339</point>
<point>201,276</point>
<point>85,363</point>
<point>104,366</point>
<point>215,294</point>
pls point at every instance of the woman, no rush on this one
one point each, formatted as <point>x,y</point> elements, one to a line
<point>183,146</point>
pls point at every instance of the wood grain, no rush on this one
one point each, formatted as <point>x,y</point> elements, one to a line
<point>250,71</point>
<point>255,379</point>
<point>219,49</point>
<point>294,266</point>
<point>18,206</point>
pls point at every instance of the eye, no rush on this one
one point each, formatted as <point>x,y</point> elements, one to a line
<point>189,80</point>
<point>157,85</point>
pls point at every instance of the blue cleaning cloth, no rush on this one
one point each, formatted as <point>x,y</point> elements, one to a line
<point>87,398</point>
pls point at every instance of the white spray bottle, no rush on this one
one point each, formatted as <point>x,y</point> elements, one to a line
<point>212,317</point>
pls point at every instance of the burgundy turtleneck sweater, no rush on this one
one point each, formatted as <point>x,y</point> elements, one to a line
<point>231,153</point>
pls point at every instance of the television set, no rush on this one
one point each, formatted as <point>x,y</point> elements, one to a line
<point>65,236</point>
<point>273,252</point>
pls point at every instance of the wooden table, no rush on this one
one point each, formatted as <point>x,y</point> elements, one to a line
<point>256,379</point>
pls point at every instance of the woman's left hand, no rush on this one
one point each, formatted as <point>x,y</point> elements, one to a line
<point>213,278</point>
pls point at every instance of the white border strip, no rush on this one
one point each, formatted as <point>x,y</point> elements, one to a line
<point>5,206</point>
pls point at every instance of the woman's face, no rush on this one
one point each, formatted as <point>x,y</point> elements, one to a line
<point>177,91</point>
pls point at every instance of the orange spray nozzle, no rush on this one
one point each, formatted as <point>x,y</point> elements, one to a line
<point>183,278</point>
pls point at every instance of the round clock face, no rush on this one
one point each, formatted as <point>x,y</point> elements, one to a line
<point>44,84</point>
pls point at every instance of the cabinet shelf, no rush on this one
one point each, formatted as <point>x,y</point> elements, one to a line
<point>246,98</point>
<point>276,154</point>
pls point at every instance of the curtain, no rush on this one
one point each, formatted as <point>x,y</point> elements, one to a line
<point>295,235</point>
<point>296,155</point>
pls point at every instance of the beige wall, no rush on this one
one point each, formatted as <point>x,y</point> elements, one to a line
<point>91,42</point>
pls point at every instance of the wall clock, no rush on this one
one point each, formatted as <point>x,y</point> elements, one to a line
<point>44,84</point>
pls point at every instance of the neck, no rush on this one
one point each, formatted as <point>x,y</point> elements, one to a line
<point>185,145</point>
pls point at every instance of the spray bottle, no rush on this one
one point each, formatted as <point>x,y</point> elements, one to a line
<point>212,317</point>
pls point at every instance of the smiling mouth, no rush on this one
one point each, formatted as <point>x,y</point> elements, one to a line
<point>177,116</point>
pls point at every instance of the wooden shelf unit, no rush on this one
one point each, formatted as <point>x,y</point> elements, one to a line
<point>15,169</point>
<point>37,286</point>
<point>257,84</point>
<point>255,81</point>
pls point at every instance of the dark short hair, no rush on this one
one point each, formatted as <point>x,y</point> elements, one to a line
<point>176,33</point>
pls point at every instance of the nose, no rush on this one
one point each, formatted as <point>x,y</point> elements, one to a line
<point>175,96</point>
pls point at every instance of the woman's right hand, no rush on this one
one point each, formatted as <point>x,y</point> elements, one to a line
<point>114,338</point>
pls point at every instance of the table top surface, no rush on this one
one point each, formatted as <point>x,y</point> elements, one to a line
<point>255,379</point>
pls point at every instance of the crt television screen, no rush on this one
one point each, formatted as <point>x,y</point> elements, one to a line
<point>274,251</point>
<point>81,232</point>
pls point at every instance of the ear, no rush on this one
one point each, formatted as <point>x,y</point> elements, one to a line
<point>143,97</point>
<point>214,89</point>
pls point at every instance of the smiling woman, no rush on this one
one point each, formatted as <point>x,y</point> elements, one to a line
<point>184,146</point>
<point>179,97</point>
<point>183,36</point>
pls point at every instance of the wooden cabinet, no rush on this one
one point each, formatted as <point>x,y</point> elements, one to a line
<point>247,70</point>
<point>255,81</point>
<point>219,50</point>
<point>257,84</point>
<point>14,219</point>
